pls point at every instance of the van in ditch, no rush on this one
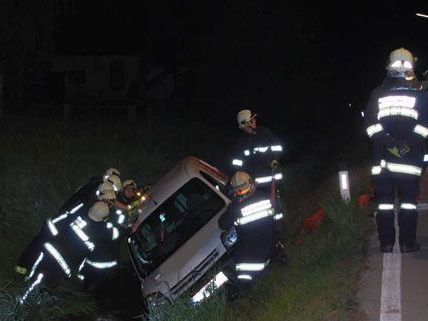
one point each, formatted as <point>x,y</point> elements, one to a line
<point>177,239</point>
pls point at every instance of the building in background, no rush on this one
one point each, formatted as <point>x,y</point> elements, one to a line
<point>89,80</point>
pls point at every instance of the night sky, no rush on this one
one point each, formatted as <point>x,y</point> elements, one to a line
<point>298,65</point>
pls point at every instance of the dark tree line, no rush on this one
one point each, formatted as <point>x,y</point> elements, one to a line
<point>26,42</point>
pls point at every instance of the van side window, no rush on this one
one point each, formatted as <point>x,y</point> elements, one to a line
<point>173,223</point>
<point>217,185</point>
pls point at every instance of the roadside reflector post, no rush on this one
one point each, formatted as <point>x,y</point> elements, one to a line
<point>345,189</point>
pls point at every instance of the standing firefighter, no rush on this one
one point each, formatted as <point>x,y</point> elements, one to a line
<point>253,216</point>
<point>258,152</point>
<point>396,121</point>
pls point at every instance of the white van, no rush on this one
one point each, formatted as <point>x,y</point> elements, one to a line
<point>177,239</point>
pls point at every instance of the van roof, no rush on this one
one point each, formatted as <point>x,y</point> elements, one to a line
<point>179,175</point>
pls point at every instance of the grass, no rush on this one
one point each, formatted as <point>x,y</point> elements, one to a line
<point>43,306</point>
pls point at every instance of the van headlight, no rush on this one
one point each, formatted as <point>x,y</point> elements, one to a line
<point>229,238</point>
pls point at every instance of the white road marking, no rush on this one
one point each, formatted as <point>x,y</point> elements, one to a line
<point>390,304</point>
<point>422,207</point>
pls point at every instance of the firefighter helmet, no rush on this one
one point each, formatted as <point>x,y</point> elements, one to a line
<point>105,186</point>
<point>98,212</point>
<point>111,171</point>
<point>400,60</point>
<point>106,195</point>
<point>244,117</point>
<point>115,181</point>
<point>129,182</point>
<point>242,183</point>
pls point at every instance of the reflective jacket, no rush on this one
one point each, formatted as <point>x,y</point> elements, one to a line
<point>254,154</point>
<point>396,120</point>
<point>78,204</point>
<point>76,242</point>
<point>253,217</point>
<point>250,212</point>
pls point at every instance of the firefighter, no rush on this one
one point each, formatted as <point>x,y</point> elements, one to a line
<point>78,204</point>
<point>132,197</point>
<point>129,191</point>
<point>258,152</point>
<point>396,122</point>
<point>104,260</point>
<point>63,254</point>
<point>101,262</point>
<point>253,216</point>
<point>86,194</point>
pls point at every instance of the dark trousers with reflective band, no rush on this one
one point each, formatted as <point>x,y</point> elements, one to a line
<point>32,251</point>
<point>47,273</point>
<point>406,187</point>
<point>256,241</point>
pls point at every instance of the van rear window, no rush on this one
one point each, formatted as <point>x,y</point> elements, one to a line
<point>173,223</point>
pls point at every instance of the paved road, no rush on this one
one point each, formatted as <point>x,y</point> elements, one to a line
<point>394,287</point>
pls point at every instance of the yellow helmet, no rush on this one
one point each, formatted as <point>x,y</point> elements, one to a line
<point>242,183</point>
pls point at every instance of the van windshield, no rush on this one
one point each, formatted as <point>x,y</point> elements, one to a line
<point>173,223</point>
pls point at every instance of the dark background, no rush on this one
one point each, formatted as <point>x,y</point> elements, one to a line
<point>307,69</point>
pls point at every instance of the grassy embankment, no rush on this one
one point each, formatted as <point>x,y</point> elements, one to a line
<point>321,277</point>
<point>44,160</point>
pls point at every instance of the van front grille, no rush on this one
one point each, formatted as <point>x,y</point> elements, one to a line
<point>190,278</point>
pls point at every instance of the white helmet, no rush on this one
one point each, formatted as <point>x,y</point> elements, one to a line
<point>107,195</point>
<point>105,186</point>
<point>129,182</point>
<point>241,182</point>
<point>400,61</point>
<point>244,117</point>
<point>115,181</point>
<point>98,212</point>
<point>111,171</point>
